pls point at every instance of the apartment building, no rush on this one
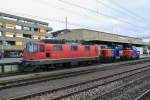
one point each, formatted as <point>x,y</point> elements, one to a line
<point>15,31</point>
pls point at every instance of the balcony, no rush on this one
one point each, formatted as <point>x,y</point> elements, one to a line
<point>15,39</point>
<point>25,24</point>
<point>13,47</point>
<point>17,30</point>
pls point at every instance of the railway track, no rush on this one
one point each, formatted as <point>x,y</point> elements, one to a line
<point>61,68</point>
<point>37,77</point>
<point>83,89</point>
<point>144,96</point>
<point>69,90</point>
<point>123,92</point>
<point>13,74</point>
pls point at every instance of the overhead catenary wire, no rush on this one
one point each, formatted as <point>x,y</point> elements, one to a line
<point>68,10</point>
<point>70,23</point>
<point>54,20</point>
<point>75,13</point>
<point>133,29</point>
<point>44,2</point>
<point>94,11</point>
<point>122,10</point>
<point>129,12</point>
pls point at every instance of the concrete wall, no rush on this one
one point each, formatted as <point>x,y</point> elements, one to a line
<point>94,35</point>
<point>75,35</point>
<point>8,68</point>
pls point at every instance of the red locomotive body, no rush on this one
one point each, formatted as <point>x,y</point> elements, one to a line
<point>106,55</point>
<point>38,53</point>
<point>127,53</point>
<point>45,53</point>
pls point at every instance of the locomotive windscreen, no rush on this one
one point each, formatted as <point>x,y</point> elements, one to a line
<point>31,47</point>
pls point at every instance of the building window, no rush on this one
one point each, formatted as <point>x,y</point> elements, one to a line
<point>42,48</point>
<point>1,42</point>
<point>35,36</point>
<point>20,35</point>
<point>1,24</point>
<point>36,29</point>
<point>9,34</point>
<point>42,30</point>
<point>0,33</point>
<point>74,48</point>
<point>19,43</point>
<point>58,47</point>
<point>26,28</point>
<point>87,48</point>
<point>10,25</point>
<point>27,35</point>
<point>10,43</point>
<point>42,37</point>
<point>18,27</point>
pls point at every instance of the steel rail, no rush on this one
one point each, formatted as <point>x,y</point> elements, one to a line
<point>47,91</point>
<point>143,96</point>
<point>38,78</point>
<point>122,86</point>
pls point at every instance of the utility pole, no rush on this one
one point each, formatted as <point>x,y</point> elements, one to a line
<point>66,20</point>
<point>96,3</point>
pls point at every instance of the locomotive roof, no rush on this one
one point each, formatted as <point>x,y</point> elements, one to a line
<point>62,41</point>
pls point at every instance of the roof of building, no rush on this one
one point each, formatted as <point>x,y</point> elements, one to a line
<point>106,33</point>
<point>55,33</point>
<point>24,18</point>
<point>92,35</point>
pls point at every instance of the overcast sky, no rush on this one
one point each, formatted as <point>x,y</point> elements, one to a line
<point>125,17</point>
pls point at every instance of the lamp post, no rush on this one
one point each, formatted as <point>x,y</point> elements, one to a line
<point>2,51</point>
<point>2,46</point>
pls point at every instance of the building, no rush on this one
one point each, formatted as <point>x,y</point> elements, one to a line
<point>96,36</point>
<point>100,38</point>
<point>15,31</point>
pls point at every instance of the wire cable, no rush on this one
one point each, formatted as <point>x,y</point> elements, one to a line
<point>94,11</point>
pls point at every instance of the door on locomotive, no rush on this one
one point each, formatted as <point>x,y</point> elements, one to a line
<point>41,51</point>
<point>87,51</point>
<point>74,50</point>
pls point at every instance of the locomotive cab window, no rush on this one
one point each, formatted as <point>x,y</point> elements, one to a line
<point>74,48</point>
<point>31,47</point>
<point>58,47</point>
<point>87,48</point>
<point>42,48</point>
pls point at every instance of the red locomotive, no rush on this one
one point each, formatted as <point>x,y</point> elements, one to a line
<point>106,55</point>
<point>50,52</point>
<point>40,53</point>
